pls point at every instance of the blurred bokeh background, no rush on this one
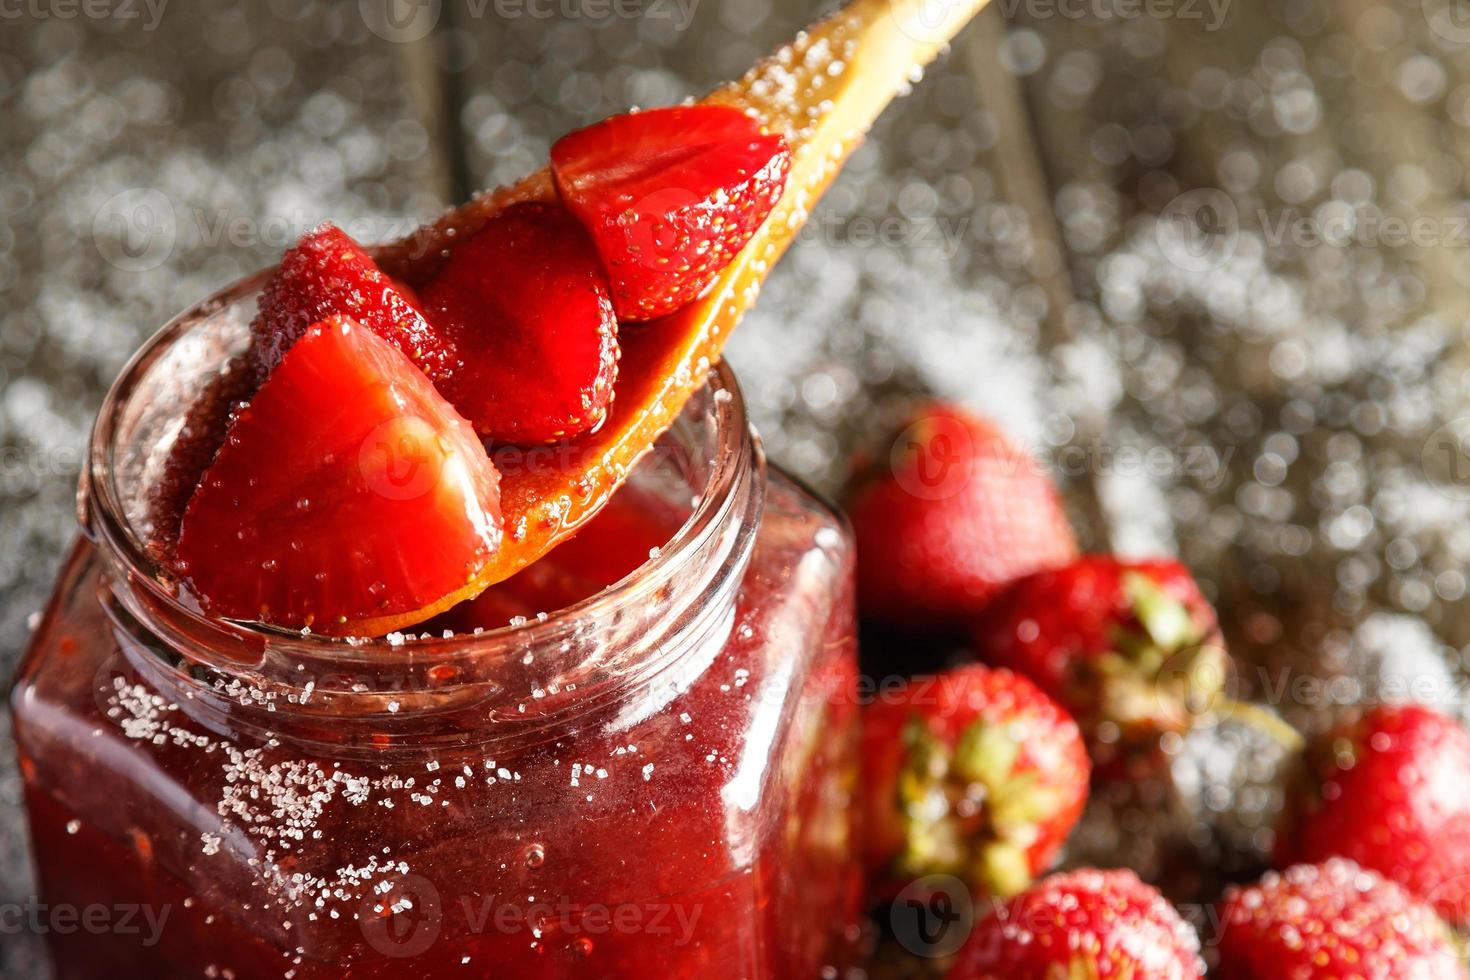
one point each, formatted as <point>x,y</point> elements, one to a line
<point>1210,257</point>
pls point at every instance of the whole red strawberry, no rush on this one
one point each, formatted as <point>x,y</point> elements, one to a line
<point>669,196</point>
<point>953,513</point>
<point>1391,791</point>
<point>973,772</point>
<point>1079,926</point>
<point>1131,643</point>
<point>1334,919</point>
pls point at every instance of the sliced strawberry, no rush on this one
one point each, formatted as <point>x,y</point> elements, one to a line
<point>526,305</point>
<point>327,273</point>
<point>670,196</point>
<point>349,497</point>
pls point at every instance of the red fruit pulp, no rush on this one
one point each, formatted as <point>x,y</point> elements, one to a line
<point>525,305</point>
<point>669,195</point>
<point>348,497</point>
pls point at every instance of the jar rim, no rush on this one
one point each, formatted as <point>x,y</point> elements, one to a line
<point>105,521</point>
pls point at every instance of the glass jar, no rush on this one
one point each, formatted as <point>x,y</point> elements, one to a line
<point>652,782</point>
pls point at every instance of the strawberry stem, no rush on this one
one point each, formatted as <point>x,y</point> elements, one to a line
<point>1003,869</point>
<point>1263,720</point>
<point>939,783</point>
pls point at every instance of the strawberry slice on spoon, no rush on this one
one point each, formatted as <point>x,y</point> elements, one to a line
<point>525,305</point>
<point>670,196</point>
<point>820,93</point>
<point>517,330</point>
<point>349,497</point>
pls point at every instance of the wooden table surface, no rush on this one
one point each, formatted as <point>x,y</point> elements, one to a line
<point>1211,258</point>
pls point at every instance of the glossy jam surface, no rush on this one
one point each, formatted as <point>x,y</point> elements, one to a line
<point>695,827</point>
<point>626,533</point>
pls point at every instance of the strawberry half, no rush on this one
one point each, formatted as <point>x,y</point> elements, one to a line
<point>348,497</point>
<point>326,274</point>
<point>1391,791</point>
<point>953,513</point>
<point>1333,919</point>
<point>1084,925</point>
<point>670,196</point>
<point>974,773</point>
<point>525,305</point>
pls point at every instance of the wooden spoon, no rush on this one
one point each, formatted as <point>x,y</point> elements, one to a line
<point>822,92</point>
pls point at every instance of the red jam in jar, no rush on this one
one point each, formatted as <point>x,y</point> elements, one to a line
<point>632,760</point>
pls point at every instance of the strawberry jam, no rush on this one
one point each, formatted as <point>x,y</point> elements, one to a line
<point>632,759</point>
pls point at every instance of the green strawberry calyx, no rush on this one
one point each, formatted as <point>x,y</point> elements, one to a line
<point>969,810</point>
<point>1167,673</point>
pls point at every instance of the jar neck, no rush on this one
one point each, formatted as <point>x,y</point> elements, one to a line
<point>609,660</point>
